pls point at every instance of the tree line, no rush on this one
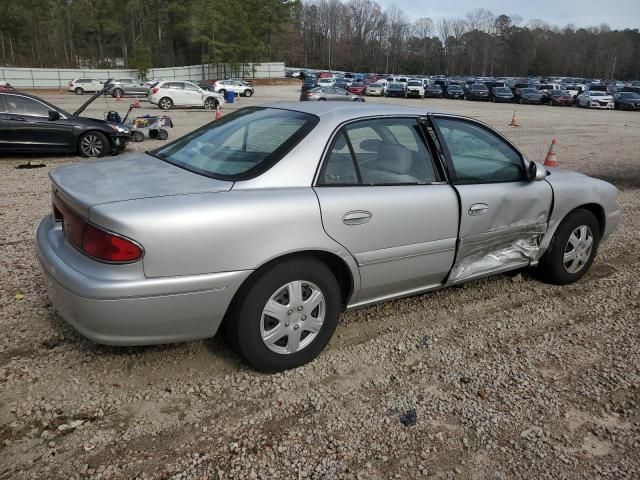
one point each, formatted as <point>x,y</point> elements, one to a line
<point>348,35</point>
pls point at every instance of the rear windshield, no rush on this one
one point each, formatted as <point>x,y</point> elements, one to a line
<point>503,90</point>
<point>479,87</point>
<point>241,145</point>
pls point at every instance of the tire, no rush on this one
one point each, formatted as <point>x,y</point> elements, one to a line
<point>78,91</point>
<point>210,104</point>
<point>93,144</point>
<point>165,103</point>
<point>137,136</point>
<point>117,92</point>
<point>248,93</point>
<point>322,99</point>
<point>247,323</point>
<point>163,134</point>
<point>554,267</point>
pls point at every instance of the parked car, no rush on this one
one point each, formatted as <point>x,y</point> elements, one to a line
<point>170,254</point>
<point>244,81</point>
<point>327,82</point>
<point>168,95</point>
<point>595,99</point>
<point>626,101</point>
<point>454,91</point>
<point>235,86</point>
<point>478,91</point>
<point>415,89</point>
<point>575,90</point>
<point>433,91</point>
<point>560,98</point>
<point>33,125</point>
<point>357,88</point>
<point>501,95</point>
<point>330,93</point>
<point>6,87</point>
<point>81,85</point>
<point>376,89</point>
<point>308,83</point>
<point>517,88</point>
<point>396,89</point>
<point>530,96</point>
<point>119,87</point>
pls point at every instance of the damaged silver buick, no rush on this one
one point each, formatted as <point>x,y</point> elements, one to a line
<point>274,219</point>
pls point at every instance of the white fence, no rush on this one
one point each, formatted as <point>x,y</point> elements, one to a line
<point>54,78</point>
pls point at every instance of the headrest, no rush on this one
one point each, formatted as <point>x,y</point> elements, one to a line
<point>394,158</point>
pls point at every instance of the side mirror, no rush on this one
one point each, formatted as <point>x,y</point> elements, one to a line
<point>536,172</point>
<point>54,115</point>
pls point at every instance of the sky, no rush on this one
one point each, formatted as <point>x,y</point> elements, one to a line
<point>618,14</point>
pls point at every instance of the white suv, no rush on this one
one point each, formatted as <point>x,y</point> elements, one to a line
<point>235,86</point>
<point>183,94</point>
<point>81,85</point>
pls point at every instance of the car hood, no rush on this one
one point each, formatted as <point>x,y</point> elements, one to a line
<point>129,177</point>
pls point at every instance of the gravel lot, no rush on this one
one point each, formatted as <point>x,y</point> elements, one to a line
<point>500,378</point>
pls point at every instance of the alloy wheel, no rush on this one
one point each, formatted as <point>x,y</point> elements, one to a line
<point>578,249</point>
<point>292,317</point>
<point>91,145</point>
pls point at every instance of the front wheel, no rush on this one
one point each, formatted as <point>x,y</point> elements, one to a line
<point>286,316</point>
<point>573,247</point>
<point>248,93</point>
<point>210,104</point>
<point>118,93</point>
<point>165,103</point>
<point>93,144</point>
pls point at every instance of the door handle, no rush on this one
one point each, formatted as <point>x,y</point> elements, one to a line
<point>17,119</point>
<point>478,209</point>
<point>356,217</point>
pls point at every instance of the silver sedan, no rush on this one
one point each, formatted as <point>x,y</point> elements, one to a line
<point>275,219</point>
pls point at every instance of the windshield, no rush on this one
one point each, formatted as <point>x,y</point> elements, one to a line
<point>597,94</point>
<point>529,90</point>
<point>414,83</point>
<point>375,85</point>
<point>479,87</point>
<point>629,95</point>
<point>503,90</point>
<point>455,87</point>
<point>241,145</point>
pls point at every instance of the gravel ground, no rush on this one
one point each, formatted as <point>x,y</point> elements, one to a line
<point>501,378</point>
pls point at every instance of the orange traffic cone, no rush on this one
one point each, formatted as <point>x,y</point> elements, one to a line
<point>551,160</point>
<point>218,113</point>
<point>514,120</point>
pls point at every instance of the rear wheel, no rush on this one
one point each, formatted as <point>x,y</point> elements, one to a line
<point>78,91</point>
<point>93,144</point>
<point>117,93</point>
<point>137,136</point>
<point>573,247</point>
<point>286,316</point>
<point>248,93</point>
<point>165,103</point>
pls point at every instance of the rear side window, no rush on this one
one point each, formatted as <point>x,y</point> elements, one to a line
<point>379,152</point>
<point>25,106</point>
<point>241,145</point>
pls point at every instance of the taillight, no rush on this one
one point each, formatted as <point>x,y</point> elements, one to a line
<point>93,241</point>
<point>154,90</point>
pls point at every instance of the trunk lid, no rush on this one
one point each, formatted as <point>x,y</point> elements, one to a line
<point>130,177</point>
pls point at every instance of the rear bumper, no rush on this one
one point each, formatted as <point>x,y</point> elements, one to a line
<point>118,305</point>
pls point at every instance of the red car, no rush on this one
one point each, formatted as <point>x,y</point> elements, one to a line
<point>6,87</point>
<point>357,88</point>
<point>560,98</point>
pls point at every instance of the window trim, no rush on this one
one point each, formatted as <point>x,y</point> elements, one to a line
<point>453,174</point>
<point>326,153</point>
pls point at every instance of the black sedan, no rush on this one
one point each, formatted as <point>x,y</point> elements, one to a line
<point>501,94</point>
<point>531,95</point>
<point>433,91</point>
<point>626,101</point>
<point>31,124</point>
<point>396,90</point>
<point>454,91</point>
<point>478,91</point>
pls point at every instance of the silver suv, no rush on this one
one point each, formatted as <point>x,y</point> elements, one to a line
<point>119,87</point>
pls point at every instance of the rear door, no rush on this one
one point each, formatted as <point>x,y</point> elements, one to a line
<point>4,128</point>
<point>29,127</point>
<point>384,199</point>
<point>502,214</point>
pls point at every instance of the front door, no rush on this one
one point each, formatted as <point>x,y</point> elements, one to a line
<point>29,128</point>
<point>192,95</point>
<point>382,197</point>
<point>502,214</point>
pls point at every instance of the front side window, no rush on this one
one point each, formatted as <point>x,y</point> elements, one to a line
<point>379,152</point>
<point>242,145</point>
<point>479,156</point>
<point>190,86</point>
<point>26,106</point>
<point>175,85</point>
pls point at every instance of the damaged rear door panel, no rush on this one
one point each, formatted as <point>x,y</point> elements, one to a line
<point>503,215</point>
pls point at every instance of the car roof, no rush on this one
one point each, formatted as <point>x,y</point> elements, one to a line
<point>348,110</point>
